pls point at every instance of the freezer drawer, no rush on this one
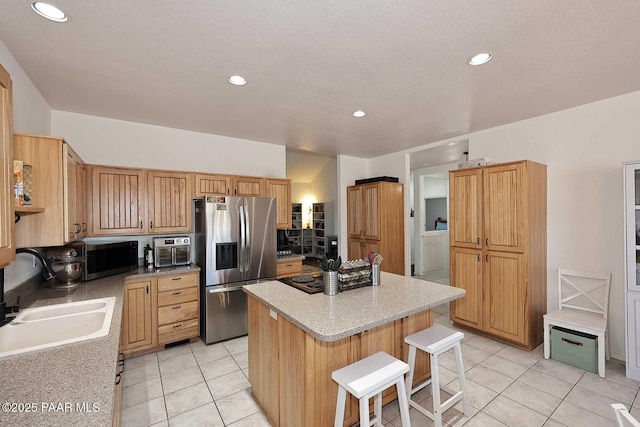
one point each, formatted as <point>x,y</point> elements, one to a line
<point>225,313</point>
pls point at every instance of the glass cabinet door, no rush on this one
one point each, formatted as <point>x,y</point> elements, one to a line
<point>632,225</point>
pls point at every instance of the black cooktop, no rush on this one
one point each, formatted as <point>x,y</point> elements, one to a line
<point>309,283</point>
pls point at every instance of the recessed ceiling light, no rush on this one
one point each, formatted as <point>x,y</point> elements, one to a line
<point>49,11</point>
<point>359,114</point>
<point>479,59</point>
<point>452,143</point>
<point>237,80</point>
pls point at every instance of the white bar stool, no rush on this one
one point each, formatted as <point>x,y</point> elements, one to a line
<point>367,378</point>
<point>435,341</point>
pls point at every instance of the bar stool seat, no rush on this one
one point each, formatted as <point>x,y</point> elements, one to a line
<point>435,341</point>
<point>368,378</point>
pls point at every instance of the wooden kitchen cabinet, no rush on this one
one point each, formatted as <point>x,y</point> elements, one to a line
<point>7,250</point>
<point>248,186</point>
<point>118,200</point>
<point>211,185</point>
<point>288,269</point>
<point>466,273</point>
<point>178,304</point>
<point>375,222</point>
<point>137,321</point>
<point>55,189</point>
<point>408,326</point>
<point>281,190</point>
<point>75,177</point>
<point>498,249</point>
<point>169,202</point>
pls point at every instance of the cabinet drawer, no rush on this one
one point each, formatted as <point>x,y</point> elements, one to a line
<point>169,283</point>
<point>177,313</point>
<point>177,296</point>
<point>289,268</point>
<point>178,331</point>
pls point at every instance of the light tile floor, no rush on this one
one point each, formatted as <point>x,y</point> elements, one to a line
<point>198,385</point>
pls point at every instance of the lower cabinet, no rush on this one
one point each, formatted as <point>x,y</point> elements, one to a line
<point>288,269</point>
<point>160,310</point>
<point>290,371</point>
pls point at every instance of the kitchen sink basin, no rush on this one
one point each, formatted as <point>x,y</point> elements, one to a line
<point>50,326</point>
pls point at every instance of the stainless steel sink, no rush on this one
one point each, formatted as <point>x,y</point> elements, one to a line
<point>50,326</point>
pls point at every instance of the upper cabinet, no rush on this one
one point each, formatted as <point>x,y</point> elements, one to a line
<point>281,190</point>
<point>7,251</point>
<point>375,220</point>
<point>228,185</point>
<point>465,208</point>
<point>170,204</point>
<point>118,200</point>
<point>54,188</point>
<point>134,201</point>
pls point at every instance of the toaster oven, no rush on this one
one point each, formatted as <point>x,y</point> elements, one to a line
<point>169,251</point>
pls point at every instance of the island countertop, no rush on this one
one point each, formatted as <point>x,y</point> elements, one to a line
<point>330,318</point>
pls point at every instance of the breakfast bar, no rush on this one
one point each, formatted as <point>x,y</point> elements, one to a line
<point>297,340</point>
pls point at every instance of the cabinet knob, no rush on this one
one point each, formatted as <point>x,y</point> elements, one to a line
<point>486,258</point>
<point>177,326</point>
<point>478,240</point>
<point>151,224</point>
<point>140,225</point>
<point>486,242</point>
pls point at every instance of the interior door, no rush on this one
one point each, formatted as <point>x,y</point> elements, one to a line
<point>503,293</point>
<point>466,273</point>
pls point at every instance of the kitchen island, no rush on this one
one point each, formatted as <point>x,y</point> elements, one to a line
<point>296,340</point>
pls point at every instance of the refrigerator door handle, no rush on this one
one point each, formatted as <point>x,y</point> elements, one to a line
<point>243,232</point>
<point>247,241</point>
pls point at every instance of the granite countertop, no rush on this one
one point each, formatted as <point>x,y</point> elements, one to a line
<point>294,257</point>
<point>330,318</point>
<point>71,374</point>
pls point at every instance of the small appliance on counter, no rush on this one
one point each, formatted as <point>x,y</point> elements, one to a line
<point>106,259</point>
<point>67,266</point>
<point>170,251</point>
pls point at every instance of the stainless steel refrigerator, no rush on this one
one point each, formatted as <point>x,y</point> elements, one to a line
<point>235,244</point>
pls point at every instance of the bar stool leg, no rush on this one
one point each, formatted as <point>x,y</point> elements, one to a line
<point>435,391</point>
<point>412,364</point>
<point>340,404</point>
<point>403,402</point>
<point>364,412</point>
<point>461,382</point>
<point>377,409</point>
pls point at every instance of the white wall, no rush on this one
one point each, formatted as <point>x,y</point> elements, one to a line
<point>100,140</point>
<point>31,114</point>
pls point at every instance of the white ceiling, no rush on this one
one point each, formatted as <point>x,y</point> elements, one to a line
<point>303,166</point>
<point>310,64</point>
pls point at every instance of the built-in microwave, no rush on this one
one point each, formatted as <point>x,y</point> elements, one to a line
<point>107,259</point>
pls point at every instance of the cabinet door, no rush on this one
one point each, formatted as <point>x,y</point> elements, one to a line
<point>118,201</point>
<point>281,190</point>
<point>504,222</point>
<point>354,211</point>
<point>355,249</point>
<point>633,331</point>
<point>7,252</point>
<point>465,208</point>
<point>248,186</point>
<point>380,338</point>
<point>211,185</point>
<point>169,202</point>
<point>371,211</point>
<point>466,273</point>
<point>73,226</point>
<point>136,315</point>
<point>263,358</point>
<point>503,293</point>
<point>81,196</point>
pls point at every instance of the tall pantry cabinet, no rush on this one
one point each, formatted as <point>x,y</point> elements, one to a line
<point>632,265</point>
<point>375,222</point>
<point>498,229</point>
<point>7,251</point>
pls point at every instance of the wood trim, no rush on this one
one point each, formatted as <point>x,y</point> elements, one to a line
<point>7,226</point>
